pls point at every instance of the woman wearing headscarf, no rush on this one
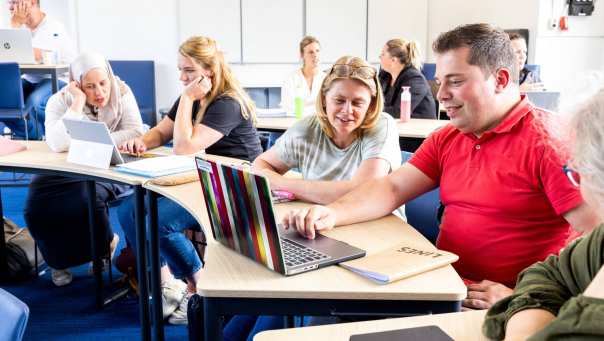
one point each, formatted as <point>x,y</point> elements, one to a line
<point>56,210</point>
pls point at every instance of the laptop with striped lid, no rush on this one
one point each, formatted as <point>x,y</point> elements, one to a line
<point>241,212</point>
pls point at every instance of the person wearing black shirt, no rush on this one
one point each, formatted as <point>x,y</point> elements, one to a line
<point>213,113</point>
<point>400,64</point>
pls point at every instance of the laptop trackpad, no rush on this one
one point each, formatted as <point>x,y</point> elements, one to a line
<point>337,250</point>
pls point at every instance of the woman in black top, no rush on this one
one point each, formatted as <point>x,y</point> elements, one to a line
<point>213,113</point>
<point>400,62</point>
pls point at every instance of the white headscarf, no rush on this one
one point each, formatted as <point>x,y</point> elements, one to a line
<point>111,114</point>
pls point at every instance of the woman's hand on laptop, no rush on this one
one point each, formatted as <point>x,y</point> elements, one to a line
<point>135,146</point>
<point>310,220</point>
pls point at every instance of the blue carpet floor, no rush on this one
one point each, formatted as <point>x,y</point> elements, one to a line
<point>69,313</point>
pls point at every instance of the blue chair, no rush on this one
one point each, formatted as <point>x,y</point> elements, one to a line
<point>14,317</point>
<point>428,70</point>
<point>535,69</point>
<point>422,212</point>
<point>259,96</point>
<point>11,97</point>
<point>140,76</point>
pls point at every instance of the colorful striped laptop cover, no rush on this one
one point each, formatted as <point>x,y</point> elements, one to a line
<point>240,208</point>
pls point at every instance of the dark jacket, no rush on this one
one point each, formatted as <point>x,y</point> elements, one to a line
<point>422,102</point>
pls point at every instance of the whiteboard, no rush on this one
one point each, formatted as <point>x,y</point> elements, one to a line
<point>219,20</point>
<point>340,26</point>
<point>396,19</point>
<point>272,30</point>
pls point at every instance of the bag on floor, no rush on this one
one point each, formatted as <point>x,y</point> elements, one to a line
<point>21,252</point>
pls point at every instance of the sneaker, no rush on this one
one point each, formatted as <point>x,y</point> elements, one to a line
<point>61,277</point>
<point>172,293</point>
<point>180,315</point>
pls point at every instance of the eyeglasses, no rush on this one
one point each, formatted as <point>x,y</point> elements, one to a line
<point>345,70</point>
<point>572,175</point>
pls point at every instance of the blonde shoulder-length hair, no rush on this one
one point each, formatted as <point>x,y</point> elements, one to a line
<point>205,52</point>
<point>361,71</point>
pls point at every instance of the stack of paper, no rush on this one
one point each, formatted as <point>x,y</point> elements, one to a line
<point>158,166</point>
<point>400,262</point>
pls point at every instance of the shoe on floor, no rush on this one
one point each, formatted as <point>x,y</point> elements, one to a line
<point>172,294</point>
<point>61,277</point>
<point>180,315</point>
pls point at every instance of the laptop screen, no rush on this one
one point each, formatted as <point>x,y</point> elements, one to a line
<point>240,208</point>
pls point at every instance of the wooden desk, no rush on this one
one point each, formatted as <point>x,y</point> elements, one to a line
<point>39,159</point>
<point>411,134</point>
<point>44,69</point>
<point>234,284</point>
<point>460,326</point>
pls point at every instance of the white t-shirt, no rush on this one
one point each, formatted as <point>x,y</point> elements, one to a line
<point>51,35</point>
<point>295,84</point>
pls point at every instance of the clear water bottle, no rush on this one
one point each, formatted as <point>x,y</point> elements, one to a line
<point>56,44</point>
<point>405,104</point>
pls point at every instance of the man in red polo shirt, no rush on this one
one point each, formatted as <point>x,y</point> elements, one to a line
<point>507,201</point>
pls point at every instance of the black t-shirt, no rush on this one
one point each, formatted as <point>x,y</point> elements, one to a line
<point>240,138</point>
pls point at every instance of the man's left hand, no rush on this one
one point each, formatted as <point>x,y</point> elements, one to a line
<point>484,294</point>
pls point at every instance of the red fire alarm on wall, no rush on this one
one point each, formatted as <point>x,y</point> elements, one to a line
<point>563,24</point>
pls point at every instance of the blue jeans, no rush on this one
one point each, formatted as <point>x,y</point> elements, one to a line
<point>36,95</point>
<point>245,327</point>
<point>175,249</point>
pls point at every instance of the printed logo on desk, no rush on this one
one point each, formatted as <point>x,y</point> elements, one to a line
<point>427,333</point>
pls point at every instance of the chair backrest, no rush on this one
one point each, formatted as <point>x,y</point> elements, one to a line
<point>535,69</point>
<point>259,96</point>
<point>14,317</point>
<point>140,76</point>
<point>11,96</point>
<point>429,69</point>
<point>422,212</point>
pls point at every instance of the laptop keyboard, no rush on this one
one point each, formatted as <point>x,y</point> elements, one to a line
<point>295,254</point>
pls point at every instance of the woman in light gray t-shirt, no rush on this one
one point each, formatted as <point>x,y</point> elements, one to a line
<point>348,142</point>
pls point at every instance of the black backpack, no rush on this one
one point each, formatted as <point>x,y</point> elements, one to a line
<point>21,253</point>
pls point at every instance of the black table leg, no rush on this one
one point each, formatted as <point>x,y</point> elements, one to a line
<point>94,237</point>
<point>141,261</point>
<point>155,282</point>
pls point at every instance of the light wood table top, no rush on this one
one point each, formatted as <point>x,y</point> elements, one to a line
<point>415,128</point>
<point>464,326</point>
<point>229,274</point>
<point>39,156</point>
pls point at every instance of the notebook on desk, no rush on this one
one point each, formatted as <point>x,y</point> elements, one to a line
<point>16,46</point>
<point>239,205</point>
<point>92,145</point>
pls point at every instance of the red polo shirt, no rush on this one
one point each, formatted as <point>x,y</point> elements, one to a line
<point>504,195</point>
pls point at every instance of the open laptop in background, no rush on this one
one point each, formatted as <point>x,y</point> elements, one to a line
<point>548,100</point>
<point>92,145</point>
<point>16,46</point>
<point>242,216</point>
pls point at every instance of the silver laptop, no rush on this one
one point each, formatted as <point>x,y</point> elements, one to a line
<point>96,134</point>
<point>242,216</point>
<point>16,46</point>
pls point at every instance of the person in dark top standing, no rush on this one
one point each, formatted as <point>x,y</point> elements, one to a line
<point>213,113</point>
<point>400,63</point>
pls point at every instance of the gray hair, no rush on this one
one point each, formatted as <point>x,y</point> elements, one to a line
<point>587,130</point>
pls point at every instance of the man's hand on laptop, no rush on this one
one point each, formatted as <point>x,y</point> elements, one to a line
<point>310,220</point>
<point>19,12</point>
<point>135,146</point>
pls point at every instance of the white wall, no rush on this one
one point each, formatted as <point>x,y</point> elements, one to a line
<point>153,29</point>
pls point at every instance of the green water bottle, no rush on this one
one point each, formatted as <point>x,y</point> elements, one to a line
<point>298,104</point>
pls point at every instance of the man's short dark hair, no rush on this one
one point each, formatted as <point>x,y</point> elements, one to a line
<point>490,47</point>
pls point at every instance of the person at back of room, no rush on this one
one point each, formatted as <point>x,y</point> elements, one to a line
<point>529,81</point>
<point>56,206</point>
<point>305,82</point>
<point>348,142</point>
<point>48,34</point>
<point>400,62</point>
<point>214,114</point>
